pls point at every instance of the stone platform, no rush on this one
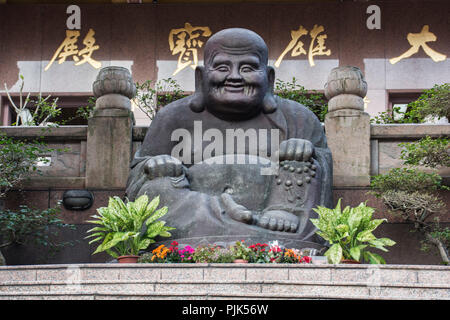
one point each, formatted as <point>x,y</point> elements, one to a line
<point>224,281</point>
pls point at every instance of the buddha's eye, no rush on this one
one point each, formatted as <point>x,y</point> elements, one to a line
<point>222,68</point>
<point>247,68</point>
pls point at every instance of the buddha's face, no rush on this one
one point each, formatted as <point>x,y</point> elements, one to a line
<point>235,83</point>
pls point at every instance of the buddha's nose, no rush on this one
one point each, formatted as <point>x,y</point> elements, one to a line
<point>234,75</point>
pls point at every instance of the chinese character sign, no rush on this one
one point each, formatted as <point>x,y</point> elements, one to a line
<point>69,47</point>
<point>316,45</point>
<point>185,42</point>
<point>417,40</point>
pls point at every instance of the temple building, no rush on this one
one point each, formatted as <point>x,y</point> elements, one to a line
<point>58,47</point>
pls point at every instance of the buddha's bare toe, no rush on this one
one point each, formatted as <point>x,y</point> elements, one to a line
<point>278,220</point>
<point>236,211</point>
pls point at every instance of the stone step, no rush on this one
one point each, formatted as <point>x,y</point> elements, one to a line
<point>299,289</point>
<point>224,281</point>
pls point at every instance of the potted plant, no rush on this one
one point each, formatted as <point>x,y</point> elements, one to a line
<point>240,252</point>
<point>128,228</point>
<point>349,233</point>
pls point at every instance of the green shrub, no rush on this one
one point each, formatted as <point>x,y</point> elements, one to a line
<point>405,179</point>
<point>151,99</point>
<point>314,100</point>
<point>427,152</point>
<point>433,102</point>
<point>32,226</point>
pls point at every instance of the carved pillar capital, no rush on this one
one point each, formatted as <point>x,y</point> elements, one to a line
<point>345,89</point>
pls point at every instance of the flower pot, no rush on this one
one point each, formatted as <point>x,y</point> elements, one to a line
<point>128,259</point>
<point>350,261</point>
<point>240,261</point>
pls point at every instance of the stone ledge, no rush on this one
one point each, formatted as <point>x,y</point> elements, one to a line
<point>408,131</point>
<point>224,281</point>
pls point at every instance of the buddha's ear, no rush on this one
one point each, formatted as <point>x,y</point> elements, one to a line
<point>196,100</point>
<point>270,102</point>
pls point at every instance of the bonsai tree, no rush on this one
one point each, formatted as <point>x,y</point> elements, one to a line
<point>126,229</point>
<point>412,193</point>
<point>349,233</point>
<point>433,102</point>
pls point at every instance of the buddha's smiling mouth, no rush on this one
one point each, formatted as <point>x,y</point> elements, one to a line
<point>247,90</point>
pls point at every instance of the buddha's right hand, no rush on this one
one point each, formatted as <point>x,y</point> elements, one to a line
<point>163,166</point>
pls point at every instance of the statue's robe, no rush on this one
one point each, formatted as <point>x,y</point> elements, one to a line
<point>195,207</point>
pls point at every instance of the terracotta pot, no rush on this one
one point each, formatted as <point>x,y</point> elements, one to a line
<point>350,261</point>
<point>240,261</point>
<point>128,259</point>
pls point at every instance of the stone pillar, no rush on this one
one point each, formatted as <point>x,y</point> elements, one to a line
<point>109,140</point>
<point>347,127</point>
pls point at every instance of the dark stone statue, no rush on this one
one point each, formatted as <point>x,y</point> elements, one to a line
<point>233,161</point>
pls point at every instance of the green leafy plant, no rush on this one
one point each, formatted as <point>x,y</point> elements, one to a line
<point>427,152</point>
<point>433,102</point>
<point>150,99</point>
<point>126,229</point>
<point>387,117</point>
<point>18,160</point>
<point>349,233</point>
<point>314,100</point>
<point>405,179</point>
<point>241,251</point>
<point>32,226</point>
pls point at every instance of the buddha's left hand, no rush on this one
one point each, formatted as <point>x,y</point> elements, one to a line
<point>296,149</point>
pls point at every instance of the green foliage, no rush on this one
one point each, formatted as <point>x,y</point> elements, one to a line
<point>405,179</point>
<point>128,228</point>
<point>412,192</point>
<point>315,101</point>
<point>241,251</point>
<point>18,159</point>
<point>151,99</point>
<point>349,233</point>
<point>427,152</point>
<point>32,226</point>
<point>433,102</point>
<point>387,117</point>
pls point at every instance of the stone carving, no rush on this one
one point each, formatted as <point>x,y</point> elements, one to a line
<point>223,191</point>
<point>114,88</point>
<point>345,89</point>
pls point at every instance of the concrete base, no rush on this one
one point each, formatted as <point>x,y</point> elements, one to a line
<point>224,281</point>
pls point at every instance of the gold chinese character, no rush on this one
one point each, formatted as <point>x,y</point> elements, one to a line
<point>319,49</point>
<point>185,41</point>
<point>86,53</point>
<point>417,40</point>
<point>295,45</point>
<point>67,48</point>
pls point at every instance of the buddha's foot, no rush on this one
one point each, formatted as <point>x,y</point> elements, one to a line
<point>236,211</point>
<point>278,220</point>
